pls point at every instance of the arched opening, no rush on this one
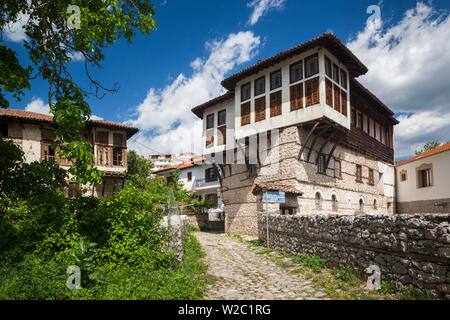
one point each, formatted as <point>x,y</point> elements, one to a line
<point>375,204</point>
<point>361,205</point>
<point>334,203</point>
<point>318,201</point>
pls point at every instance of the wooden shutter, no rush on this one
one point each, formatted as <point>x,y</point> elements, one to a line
<point>337,98</point>
<point>275,104</point>
<point>221,135</point>
<point>245,114</point>
<point>296,96</point>
<point>312,92</point>
<point>329,92</point>
<point>344,103</point>
<point>260,109</point>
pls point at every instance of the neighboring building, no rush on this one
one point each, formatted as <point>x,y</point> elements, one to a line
<point>198,178</point>
<point>423,182</point>
<point>299,122</point>
<point>165,160</point>
<point>33,133</point>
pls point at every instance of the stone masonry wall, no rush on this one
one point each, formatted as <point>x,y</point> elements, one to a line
<point>409,249</point>
<point>424,206</point>
<point>201,220</point>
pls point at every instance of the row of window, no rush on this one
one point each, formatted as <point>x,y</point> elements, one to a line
<point>372,128</point>
<point>424,176</point>
<point>102,137</point>
<point>322,165</point>
<point>310,65</point>
<point>221,129</point>
<point>334,206</point>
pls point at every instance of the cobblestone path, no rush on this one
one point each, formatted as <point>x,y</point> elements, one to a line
<point>243,274</point>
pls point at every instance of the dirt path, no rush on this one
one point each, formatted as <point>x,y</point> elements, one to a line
<point>244,274</point>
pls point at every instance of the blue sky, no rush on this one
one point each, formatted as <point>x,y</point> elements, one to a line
<point>201,41</point>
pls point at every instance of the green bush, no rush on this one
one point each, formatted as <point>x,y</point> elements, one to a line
<point>386,287</point>
<point>347,274</point>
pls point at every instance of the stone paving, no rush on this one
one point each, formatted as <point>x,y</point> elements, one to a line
<point>243,274</point>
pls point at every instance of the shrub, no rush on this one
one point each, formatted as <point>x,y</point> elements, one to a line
<point>386,287</point>
<point>314,262</point>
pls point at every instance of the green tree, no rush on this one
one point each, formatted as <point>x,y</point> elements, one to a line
<point>56,30</point>
<point>138,165</point>
<point>428,146</point>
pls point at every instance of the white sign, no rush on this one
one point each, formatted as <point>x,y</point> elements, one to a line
<point>274,197</point>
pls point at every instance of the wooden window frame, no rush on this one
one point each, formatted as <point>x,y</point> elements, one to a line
<point>343,79</point>
<point>405,174</point>
<point>189,176</point>
<point>291,67</point>
<point>339,174</point>
<point>260,109</point>
<point>371,177</point>
<point>263,78</point>
<point>334,66</point>
<point>211,177</point>
<point>271,82</point>
<point>218,117</point>
<point>296,96</point>
<point>209,116</point>
<point>358,174</point>
<point>313,56</point>
<point>310,98</point>
<point>419,170</point>
<point>337,98</point>
<point>242,91</point>
<point>321,162</point>
<point>245,116</point>
<point>97,137</point>
<point>344,102</point>
<point>275,105</point>
<point>329,92</point>
<point>330,73</point>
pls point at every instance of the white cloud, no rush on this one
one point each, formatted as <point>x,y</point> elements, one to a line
<point>37,105</point>
<point>261,7</point>
<point>14,32</point>
<point>165,115</point>
<point>409,63</point>
<point>76,56</point>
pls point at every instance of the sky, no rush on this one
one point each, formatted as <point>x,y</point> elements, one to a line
<point>404,43</point>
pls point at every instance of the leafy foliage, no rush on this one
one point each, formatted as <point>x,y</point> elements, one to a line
<point>428,147</point>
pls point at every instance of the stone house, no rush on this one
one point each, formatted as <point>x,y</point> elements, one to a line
<point>33,133</point>
<point>301,123</point>
<point>423,182</point>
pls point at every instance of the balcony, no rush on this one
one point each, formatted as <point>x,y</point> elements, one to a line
<point>203,184</point>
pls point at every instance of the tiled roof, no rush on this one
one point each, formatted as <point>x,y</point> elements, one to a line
<point>442,148</point>
<point>327,40</point>
<point>198,110</point>
<point>34,116</point>
<point>276,186</point>
<point>192,163</point>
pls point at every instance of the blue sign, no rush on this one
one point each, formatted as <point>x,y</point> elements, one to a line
<point>274,197</point>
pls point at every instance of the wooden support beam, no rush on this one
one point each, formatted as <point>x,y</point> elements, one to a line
<point>319,134</point>
<point>307,140</point>
<point>330,155</point>
<point>326,141</point>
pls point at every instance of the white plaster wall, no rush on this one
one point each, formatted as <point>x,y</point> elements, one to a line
<point>31,144</point>
<point>408,191</point>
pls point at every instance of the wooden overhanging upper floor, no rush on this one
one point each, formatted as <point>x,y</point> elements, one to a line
<point>108,138</point>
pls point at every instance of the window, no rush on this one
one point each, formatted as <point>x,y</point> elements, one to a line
<point>222,128</point>
<point>296,96</point>
<point>47,135</point>
<point>334,204</point>
<point>245,91</point>
<point>337,98</point>
<point>221,117</point>
<point>321,160</point>
<point>210,121</point>
<point>318,201</point>
<point>260,109</point>
<point>375,204</point>
<point>311,65</point>
<point>252,170</point>
<point>73,190</point>
<point>275,80</point>
<point>189,176</point>
<point>337,169</point>
<point>260,86</point>
<point>212,199</point>
<point>117,157</point>
<point>336,73</point>
<point>312,94</point>
<point>360,120</point>
<point>209,138</point>
<point>403,175</point>
<point>102,137</point>
<point>344,102</point>
<point>210,175</point>
<point>328,71</point>
<point>329,92</point>
<point>361,205</point>
<point>344,79</point>
<point>169,180</point>
<point>275,104</point>
<point>245,114</point>
<point>358,173</point>
<point>371,177</point>
<point>296,72</point>
<point>354,117</point>
<point>4,130</point>
<point>424,176</point>
<point>118,139</point>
